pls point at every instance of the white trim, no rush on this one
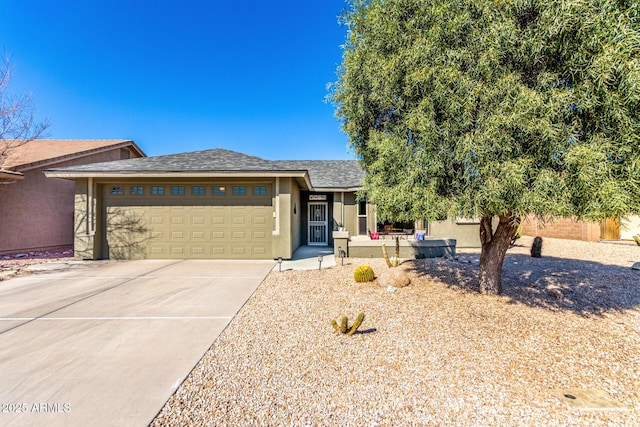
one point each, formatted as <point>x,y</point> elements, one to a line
<point>336,189</point>
<point>276,211</point>
<point>173,174</point>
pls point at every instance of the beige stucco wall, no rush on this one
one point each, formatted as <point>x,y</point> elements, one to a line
<point>431,248</point>
<point>629,227</point>
<point>282,243</point>
<point>350,213</point>
<point>467,235</point>
<point>37,212</point>
<point>84,244</point>
<point>296,217</point>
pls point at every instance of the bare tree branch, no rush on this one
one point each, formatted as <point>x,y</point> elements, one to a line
<point>18,124</point>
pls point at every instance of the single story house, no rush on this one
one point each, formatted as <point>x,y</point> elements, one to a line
<point>37,213</point>
<point>221,204</point>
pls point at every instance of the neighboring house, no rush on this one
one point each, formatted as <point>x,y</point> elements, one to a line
<point>215,204</point>
<point>37,212</point>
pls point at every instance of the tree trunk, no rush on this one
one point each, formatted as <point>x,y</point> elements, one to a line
<point>494,248</point>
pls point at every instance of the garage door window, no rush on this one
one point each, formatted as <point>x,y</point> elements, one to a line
<point>117,191</point>
<point>259,191</point>
<point>239,191</point>
<point>197,191</point>
<point>157,191</point>
<point>137,190</point>
<point>219,191</point>
<point>177,191</point>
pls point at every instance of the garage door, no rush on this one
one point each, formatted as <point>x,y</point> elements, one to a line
<point>188,221</point>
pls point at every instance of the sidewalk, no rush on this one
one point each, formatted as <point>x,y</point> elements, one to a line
<point>306,258</point>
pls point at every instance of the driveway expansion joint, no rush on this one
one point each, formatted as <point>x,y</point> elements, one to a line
<point>128,279</point>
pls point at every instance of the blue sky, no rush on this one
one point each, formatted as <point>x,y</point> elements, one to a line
<point>179,76</point>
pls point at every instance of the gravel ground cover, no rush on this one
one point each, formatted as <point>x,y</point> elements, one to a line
<point>434,353</point>
<point>17,263</point>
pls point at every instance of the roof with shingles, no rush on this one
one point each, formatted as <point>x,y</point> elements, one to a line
<point>322,173</point>
<point>329,173</point>
<point>22,154</point>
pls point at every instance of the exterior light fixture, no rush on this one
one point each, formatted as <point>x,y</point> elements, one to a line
<point>341,254</point>
<point>319,262</point>
<point>280,263</point>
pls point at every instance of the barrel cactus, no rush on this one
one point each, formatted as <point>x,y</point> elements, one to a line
<point>364,273</point>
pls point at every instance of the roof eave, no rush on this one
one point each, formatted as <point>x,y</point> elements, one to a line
<point>9,176</point>
<point>336,189</point>
<point>48,162</point>
<point>70,174</point>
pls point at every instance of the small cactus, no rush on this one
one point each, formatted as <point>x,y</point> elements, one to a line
<point>364,273</point>
<point>394,260</point>
<point>343,327</point>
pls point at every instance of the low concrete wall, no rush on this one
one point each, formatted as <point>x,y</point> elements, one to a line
<point>340,241</point>
<point>431,248</point>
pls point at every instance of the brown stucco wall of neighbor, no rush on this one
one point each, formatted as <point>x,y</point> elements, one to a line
<point>562,228</point>
<point>37,212</point>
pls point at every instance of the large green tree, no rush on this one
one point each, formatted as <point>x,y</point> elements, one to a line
<point>494,109</point>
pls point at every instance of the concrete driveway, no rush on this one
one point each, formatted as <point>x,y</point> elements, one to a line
<point>107,343</point>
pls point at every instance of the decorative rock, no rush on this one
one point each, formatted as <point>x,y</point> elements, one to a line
<point>636,266</point>
<point>536,247</point>
<point>391,289</point>
<point>394,277</point>
<point>555,292</point>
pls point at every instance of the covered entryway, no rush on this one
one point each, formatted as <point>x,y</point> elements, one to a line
<point>187,221</point>
<point>318,225</point>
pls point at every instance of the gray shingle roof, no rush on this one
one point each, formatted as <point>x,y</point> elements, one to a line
<point>197,161</point>
<point>322,173</point>
<point>328,173</point>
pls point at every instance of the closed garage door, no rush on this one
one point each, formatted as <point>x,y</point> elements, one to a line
<point>188,221</point>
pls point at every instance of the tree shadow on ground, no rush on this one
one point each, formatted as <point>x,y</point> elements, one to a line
<point>562,284</point>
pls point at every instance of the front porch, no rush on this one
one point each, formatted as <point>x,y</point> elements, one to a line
<point>365,247</point>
